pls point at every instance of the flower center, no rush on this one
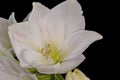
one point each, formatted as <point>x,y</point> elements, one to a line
<point>52,51</point>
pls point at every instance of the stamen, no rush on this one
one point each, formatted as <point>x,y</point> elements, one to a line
<point>49,46</point>
<point>42,50</point>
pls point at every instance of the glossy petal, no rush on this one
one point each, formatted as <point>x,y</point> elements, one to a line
<point>4,38</point>
<point>63,67</point>
<point>78,42</point>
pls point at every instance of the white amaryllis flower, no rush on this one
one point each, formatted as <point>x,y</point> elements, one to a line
<point>4,23</point>
<point>10,70</point>
<point>76,75</point>
<point>53,40</point>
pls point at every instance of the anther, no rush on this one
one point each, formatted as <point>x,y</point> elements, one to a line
<point>42,50</point>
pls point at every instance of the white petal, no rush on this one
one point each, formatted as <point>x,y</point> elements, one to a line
<point>69,76</point>
<point>20,38</point>
<point>7,60</point>
<point>12,19</point>
<point>63,67</point>
<point>76,75</point>
<point>79,75</point>
<point>63,20</point>
<point>27,17</point>
<point>20,31</point>
<point>54,28</point>
<point>36,20</point>
<point>21,41</point>
<point>70,13</point>
<point>33,58</point>
<point>38,13</point>
<point>11,70</point>
<point>4,38</point>
<point>78,42</point>
<point>5,76</point>
<point>5,52</point>
<point>9,65</point>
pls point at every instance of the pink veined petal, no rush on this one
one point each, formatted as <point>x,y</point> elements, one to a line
<point>78,42</point>
<point>62,67</point>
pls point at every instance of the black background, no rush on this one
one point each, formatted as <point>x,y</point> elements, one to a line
<point>97,55</point>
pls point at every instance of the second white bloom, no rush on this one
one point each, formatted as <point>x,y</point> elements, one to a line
<point>52,40</point>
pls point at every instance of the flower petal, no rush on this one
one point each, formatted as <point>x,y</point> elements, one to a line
<point>12,19</point>
<point>78,42</point>
<point>19,31</point>
<point>11,70</point>
<point>4,75</point>
<point>4,38</point>
<point>63,67</point>
<point>54,29</point>
<point>38,13</point>
<point>63,20</point>
<point>69,14</point>
<point>27,17</point>
<point>36,20</point>
<point>69,76</point>
<point>79,75</point>
<point>5,52</point>
<point>33,58</point>
<point>22,41</point>
<point>76,75</point>
<point>20,38</point>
